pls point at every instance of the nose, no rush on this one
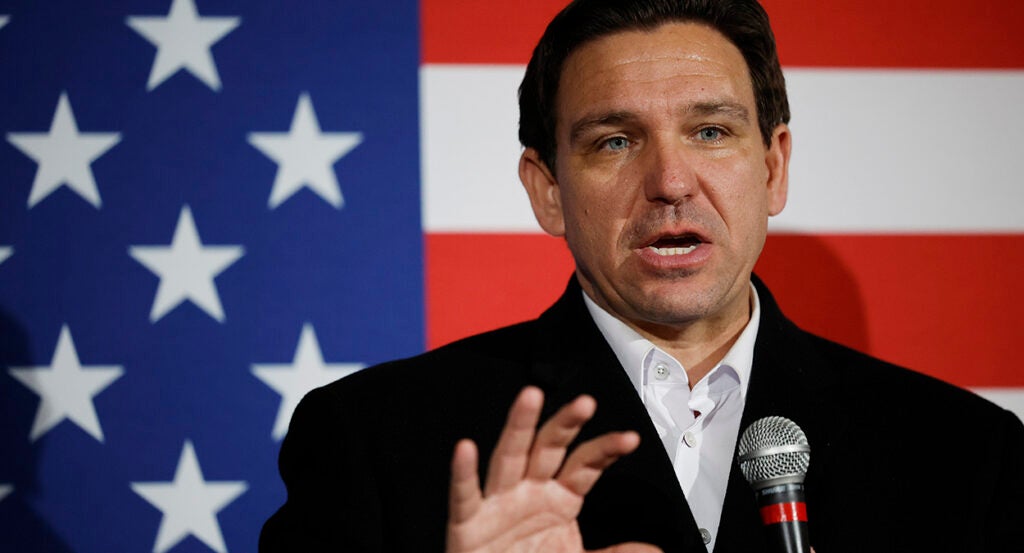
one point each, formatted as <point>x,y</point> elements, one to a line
<point>669,175</point>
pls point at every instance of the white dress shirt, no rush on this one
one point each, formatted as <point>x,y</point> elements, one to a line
<point>697,426</point>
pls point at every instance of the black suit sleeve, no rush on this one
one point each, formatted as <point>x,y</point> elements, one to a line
<point>332,504</point>
<point>1005,517</point>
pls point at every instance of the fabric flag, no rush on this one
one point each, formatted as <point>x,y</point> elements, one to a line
<point>209,207</point>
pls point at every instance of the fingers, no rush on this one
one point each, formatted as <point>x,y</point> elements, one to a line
<point>508,464</point>
<point>630,547</point>
<point>523,452</point>
<point>464,496</point>
<point>554,437</point>
<point>589,460</point>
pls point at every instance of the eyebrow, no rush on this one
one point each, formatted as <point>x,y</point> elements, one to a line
<point>605,119</point>
<point>732,110</point>
<point>729,109</point>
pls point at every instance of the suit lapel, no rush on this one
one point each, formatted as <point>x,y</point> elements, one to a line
<point>788,379</point>
<point>638,498</point>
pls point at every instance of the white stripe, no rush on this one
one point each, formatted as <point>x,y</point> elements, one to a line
<point>470,149</point>
<point>1011,399</point>
<point>914,151</point>
<point>874,151</point>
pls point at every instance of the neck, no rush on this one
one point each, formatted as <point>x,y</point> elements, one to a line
<point>699,345</point>
<point>701,354</point>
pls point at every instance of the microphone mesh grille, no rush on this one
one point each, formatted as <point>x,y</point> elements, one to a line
<point>764,465</point>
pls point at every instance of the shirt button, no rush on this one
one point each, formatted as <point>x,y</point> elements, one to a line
<point>705,535</point>
<point>661,371</point>
<point>689,438</point>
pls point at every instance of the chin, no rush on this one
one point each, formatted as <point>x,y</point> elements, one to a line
<point>673,310</point>
<point>678,303</point>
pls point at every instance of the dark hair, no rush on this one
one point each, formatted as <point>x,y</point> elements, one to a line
<point>743,22</point>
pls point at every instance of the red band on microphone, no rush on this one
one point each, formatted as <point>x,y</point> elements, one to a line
<point>784,512</point>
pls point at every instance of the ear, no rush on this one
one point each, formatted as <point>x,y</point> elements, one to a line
<point>777,161</point>
<point>545,195</point>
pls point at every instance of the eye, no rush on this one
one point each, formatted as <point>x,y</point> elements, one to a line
<point>617,143</point>
<point>710,134</point>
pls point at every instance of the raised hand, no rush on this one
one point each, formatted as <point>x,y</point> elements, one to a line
<point>533,493</point>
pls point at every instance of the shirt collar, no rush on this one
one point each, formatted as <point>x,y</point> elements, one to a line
<point>631,348</point>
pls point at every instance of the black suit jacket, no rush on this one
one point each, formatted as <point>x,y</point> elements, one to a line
<point>899,461</point>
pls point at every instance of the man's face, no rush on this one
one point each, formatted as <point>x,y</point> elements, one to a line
<point>663,185</point>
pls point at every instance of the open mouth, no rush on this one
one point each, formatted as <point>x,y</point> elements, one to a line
<point>676,245</point>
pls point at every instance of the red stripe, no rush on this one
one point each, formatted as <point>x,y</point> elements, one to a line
<point>483,31</point>
<point>903,34</point>
<point>945,305</point>
<point>837,33</point>
<point>948,305</point>
<point>477,282</point>
<point>784,512</point>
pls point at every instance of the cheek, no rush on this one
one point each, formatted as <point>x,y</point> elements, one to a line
<point>592,198</point>
<point>599,203</point>
<point>744,214</point>
<point>591,229</point>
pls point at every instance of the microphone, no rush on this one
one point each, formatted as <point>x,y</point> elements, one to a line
<point>774,455</point>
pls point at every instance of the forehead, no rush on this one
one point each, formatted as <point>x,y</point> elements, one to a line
<point>673,64</point>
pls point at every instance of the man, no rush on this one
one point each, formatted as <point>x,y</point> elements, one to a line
<point>656,143</point>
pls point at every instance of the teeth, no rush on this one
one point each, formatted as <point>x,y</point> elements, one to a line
<point>673,251</point>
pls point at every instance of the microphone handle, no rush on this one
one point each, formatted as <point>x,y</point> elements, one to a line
<point>784,514</point>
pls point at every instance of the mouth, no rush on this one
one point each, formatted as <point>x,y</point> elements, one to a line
<point>676,245</point>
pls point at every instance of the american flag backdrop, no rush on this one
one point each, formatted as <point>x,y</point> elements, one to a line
<point>208,207</point>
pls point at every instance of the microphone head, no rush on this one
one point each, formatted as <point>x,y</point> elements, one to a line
<point>773,451</point>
